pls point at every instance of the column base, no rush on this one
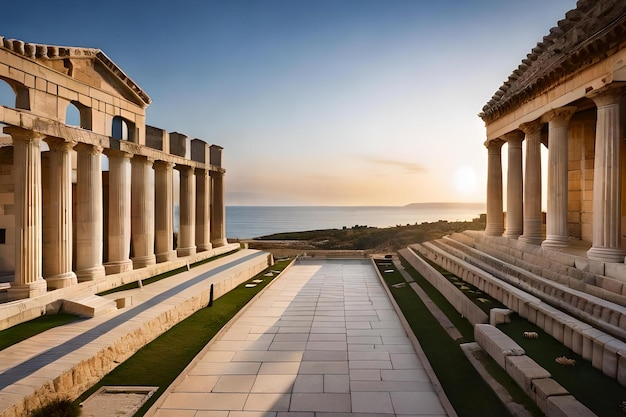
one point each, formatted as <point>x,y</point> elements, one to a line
<point>91,274</point>
<point>186,251</point>
<point>30,290</point>
<point>555,242</point>
<point>166,256</point>
<point>117,267</point>
<point>62,280</point>
<point>143,261</point>
<point>613,255</point>
<point>204,247</point>
<point>512,235</point>
<point>219,242</point>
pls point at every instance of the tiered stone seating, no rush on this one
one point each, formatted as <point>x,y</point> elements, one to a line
<point>592,327</point>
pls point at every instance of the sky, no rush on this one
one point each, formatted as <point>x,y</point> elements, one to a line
<point>325,102</point>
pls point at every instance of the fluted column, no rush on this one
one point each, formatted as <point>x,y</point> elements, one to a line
<point>89,226</point>
<point>164,211</point>
<point>218,210</point>
<point>142,212</point>
<point>533,232</point>
<point>607,184</point>
<point>495,215</point>
<point>28,281</point>
<point>203,210</point>
<point>119,213</point>
<point>186,235</point>
<point>57,264</point>
<point>557,233</point>
<point>514,188</point>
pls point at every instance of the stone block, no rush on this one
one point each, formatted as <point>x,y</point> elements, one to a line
<point>89,306</point>
<point>621,367</point>
<point>499,315</point>
<point>566,406</point>
<point>180,145</point>
<point>611,357</point>
<point>200,151</point>
<point>544,388</point>
<point>589,337</point>
<point>497,344</point>
<point>524,370</point>
<point>598,350</point>
<point>124,302</point>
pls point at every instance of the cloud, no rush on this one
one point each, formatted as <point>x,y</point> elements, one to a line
<point>409,167</point>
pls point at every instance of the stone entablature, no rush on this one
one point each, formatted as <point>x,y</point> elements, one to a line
<point>568,95</point>
<point>63,218</point>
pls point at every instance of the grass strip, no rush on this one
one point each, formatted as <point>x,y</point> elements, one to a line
<point>469,394</point>
<point>148,281</point>
<point>23,331</point>
<point>161,361</point>
<point>601,394</point>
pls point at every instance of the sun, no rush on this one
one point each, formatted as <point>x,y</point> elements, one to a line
<point>465,180</point>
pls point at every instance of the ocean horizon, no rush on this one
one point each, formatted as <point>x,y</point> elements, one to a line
<point>247,222</point>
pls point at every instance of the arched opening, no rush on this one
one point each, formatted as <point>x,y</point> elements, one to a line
<point>7,95</point>
<point>18,95</point>
<point>78,115</point>
<point>123,129</point>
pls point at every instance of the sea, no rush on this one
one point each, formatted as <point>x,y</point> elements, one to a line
<point>247,222</point>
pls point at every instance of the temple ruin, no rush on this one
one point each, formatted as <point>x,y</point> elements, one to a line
<point>63,218</point>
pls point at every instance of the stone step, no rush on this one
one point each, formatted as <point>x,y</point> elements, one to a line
<point>89,306</point>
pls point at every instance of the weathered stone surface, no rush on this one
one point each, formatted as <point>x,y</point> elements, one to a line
<point>497,344</point>
<point>566,406</point>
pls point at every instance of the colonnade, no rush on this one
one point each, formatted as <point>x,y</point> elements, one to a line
<point>524,215</point>
<point>140,225</point>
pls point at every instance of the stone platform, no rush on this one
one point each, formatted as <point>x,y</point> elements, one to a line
<point>67,360</point>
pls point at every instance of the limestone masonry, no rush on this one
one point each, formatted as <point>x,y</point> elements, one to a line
<point>63,218</point>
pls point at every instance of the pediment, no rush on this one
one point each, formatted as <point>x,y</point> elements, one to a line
<point>88,65</point>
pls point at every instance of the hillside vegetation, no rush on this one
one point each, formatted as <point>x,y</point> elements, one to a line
<point>367,238</point>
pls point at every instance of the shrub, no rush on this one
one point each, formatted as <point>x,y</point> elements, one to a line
<point>57,408</point>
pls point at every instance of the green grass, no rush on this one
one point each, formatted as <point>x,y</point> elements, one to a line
<point>160,362</point>
<point>21,332</point>
<point>469,394</point>
<point>598,392</point>
<point>148,281</point>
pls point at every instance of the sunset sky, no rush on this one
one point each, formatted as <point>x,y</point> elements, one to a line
<point>325,102</point>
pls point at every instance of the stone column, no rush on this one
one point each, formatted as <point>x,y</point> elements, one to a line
<point>218,210</point>
<point>557,233</point>
<point>89,224</point>
<point>119,212</point>
<point>514,188</point>
<point>57,266</point>
<point>142,212</point>
<point>28,281</point>
<point>607,184</point>
<point>164,211</point>
<point>495,216</point>
<point>186,235</point>
<point>203,210</point>
<point>533,232</point>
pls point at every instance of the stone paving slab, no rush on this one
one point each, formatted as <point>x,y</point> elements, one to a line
<point>296,352</point>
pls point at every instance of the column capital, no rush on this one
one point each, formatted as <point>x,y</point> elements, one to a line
<point>86,147</point>
<point>58,144</point>
<point>120,154</point>
<point>164,164</point>
<point>608,95</point>
<point>514,138</point>
<point>530,128</point>
<point>24,135</point>
<point>184,168</point>
<point>560,117</point>
<point>202,172</point>
<point>494,146</point>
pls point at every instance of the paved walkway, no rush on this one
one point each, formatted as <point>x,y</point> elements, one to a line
<point>323,340</point>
